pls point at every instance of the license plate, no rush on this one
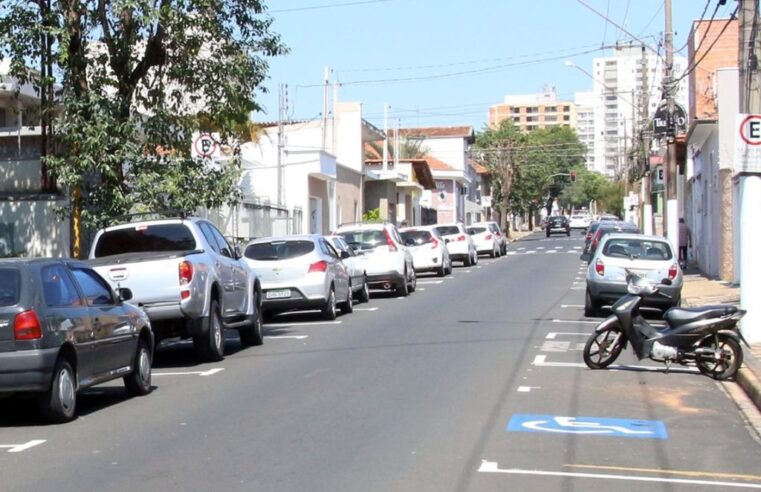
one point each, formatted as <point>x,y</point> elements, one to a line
<point>278,294</point>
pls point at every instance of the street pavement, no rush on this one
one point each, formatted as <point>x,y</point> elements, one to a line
<point>474,382</point>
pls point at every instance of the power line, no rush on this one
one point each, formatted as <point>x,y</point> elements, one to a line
<point>326,6</point>
<point>691,69</point>
<point>702,17</point>
<point>611,21</point>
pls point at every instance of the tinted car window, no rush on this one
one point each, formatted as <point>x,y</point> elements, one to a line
<point>58,288</point>
<point>10,286</point>
<point>417,237</point>
<point>96,290</point>
<point>209,235</point>
<point>476,230</point>
<point>447,230</point>
<point>144,238</point>
<point>636,248</point>
<point>364,239</point>
<point>278,250</point>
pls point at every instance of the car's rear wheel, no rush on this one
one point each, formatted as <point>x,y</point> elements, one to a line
<point>348,306</point>
<point>413,281</point>
<point>402,289</point>
<point>252,334</point>
<point>364,294</point>
<point>138,383</point>
<point>210,343</point>
<point>59,403</point>
<point>591,306</point>
<point>442,270</point>
<point>329,310</point>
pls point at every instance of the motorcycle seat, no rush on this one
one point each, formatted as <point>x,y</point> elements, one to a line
<point>681,316</point>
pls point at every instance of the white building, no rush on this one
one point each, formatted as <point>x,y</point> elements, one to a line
<point>618,86</point>
<point>585,123</point>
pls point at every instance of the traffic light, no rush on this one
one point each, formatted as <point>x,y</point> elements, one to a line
<point>573,176</point>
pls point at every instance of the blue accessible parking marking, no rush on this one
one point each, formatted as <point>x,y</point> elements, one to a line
<point>647,429</point>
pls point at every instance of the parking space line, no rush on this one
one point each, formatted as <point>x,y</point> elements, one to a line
<point>685,473</point>
<point>526,389</point>
<point>210,372</point>
<point>303,323</point>
<point>571,305</point>
<point>575,321</point>
<point>284,337</point>
<point>429,282</point>
<point>552,251</point>
<point>541,361</point>
<point>368,309</point>
<point>551,335</point>
<point>17,448</point>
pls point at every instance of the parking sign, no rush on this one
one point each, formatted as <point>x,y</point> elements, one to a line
<point>748,143</point>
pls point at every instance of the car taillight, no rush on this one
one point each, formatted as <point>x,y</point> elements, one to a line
<point>389,241</point>
<point>460,238</point>
<point>186,272</point>
<point>26,326</point>
<point>434,243</point>
<point>488,236</point>
<point>600,267</point>
<point>672,271</point>
<point>589,236</point>
<point>596,240</point>
<point>318,266</point>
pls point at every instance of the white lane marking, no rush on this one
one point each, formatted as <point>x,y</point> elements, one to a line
<point>530,252</point>
<point>558,247</point>
<point>540,247</point>
<point>420,288</point>
<point>541,361</point>
<point>577,247</point>
<point>552,251</point>
<point>571,251</point>
<point>579,278</point>
<point>527,389</point>
<point>493,467</point>
<point>513,252</point>
<point>578,288</point>
<point>210,372</point>
<point>400,297</point>
<point>466,271</point>
<point>17,448</point>
<point>284,337</point>
<point>303,323</point>
<point>521,249</point>
<point>429,282</point>
<point>576,321</point>
<point>367,309</point>
<point>479,266</point>
<point>572,305</point>
<point>551,335</point>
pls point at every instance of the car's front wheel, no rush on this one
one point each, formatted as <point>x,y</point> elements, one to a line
<point>138,383</point>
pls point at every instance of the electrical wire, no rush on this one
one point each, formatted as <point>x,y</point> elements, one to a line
<point>691,69</point>
<point>702,17</point>
<point>326,6</point>
<point>611,21</point>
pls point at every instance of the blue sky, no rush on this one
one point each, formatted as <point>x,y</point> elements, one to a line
<point>462,56</point>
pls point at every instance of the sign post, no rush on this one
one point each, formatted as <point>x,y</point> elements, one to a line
<point>747,166</point>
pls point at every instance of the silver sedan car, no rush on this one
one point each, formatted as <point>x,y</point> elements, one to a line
<point>300,272</point>
<point>650,257</point>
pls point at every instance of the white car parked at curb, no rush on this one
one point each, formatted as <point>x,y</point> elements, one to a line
<point>429,250</point>
<point>459,243</point>
<point>486,241</point>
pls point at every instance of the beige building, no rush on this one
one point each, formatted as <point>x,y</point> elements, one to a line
<point>532,111</point>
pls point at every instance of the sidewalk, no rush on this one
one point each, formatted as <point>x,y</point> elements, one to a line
<point>518,235</point>
<point>699,290</point>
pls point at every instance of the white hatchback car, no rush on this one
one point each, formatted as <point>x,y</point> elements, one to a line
<point>486,241</point>
<point>496,230</point>
<point>355,265</point>
<point>429,250</point>
<point>580,221</point>
<point>459,243</point>
<point>386,260</point>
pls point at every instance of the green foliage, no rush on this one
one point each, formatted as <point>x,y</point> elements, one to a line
<point>408,149</point>
<point>134,79</point>
<point>522,165</point>
<point>372,216</point>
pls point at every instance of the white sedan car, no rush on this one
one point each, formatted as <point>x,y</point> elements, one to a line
<point>486,241</point>
<point>460,245</point>
<point>580,221</point>
<point>428,249</point>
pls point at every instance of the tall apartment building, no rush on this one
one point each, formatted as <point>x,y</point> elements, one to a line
<point>532,111</point>
<point>618,86</point>
<point>585,124</point>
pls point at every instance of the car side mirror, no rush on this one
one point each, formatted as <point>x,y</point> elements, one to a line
<point>124,294</point>
<point>345,255</point>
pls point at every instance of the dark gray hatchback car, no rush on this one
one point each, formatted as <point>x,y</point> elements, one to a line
<point>63,329</point>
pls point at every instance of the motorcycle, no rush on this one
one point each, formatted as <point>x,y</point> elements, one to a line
<point>707,336</point>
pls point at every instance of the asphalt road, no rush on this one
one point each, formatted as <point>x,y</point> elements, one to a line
<point>412,394</point>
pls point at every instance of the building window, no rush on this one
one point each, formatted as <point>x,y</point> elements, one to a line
<point>550,118</point>
<point>566,117</point>
<point>566,108</point>
<point>550,109</point>
<point>516,110</point>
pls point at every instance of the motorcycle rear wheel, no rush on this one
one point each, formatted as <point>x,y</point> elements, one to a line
<point>603,348</point>
<point>730,358</point>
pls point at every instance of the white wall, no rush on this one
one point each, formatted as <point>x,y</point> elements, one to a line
<point>451,151</point>
<point>37,230</point>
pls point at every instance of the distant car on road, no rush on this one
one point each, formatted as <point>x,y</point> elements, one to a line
<point>580,221</point>
<point>387,261</point>
<point>460,245</point>
<point>607,227</point>
<point>428,249</point>
<point>557,224</point>
<point>649,257</point>
<point>62,329</point>
<point>300,272</point>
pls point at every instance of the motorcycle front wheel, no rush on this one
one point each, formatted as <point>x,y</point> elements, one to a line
<point>726,359</point>
<point>603,348</point>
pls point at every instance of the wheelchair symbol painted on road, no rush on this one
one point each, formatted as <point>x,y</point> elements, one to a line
<point>649,429</point>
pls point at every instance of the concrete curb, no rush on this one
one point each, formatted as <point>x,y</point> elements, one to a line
<point>749,378</point>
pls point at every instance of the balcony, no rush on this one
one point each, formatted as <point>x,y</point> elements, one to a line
<point>23,131</point>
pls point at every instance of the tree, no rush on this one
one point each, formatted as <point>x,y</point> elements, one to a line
<point>134,80</point>
<point>409,148</point>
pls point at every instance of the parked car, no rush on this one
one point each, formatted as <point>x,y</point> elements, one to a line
<point>590,232</point>
<point>300,272</point>
<point>63,329</point>
<point>388,263</point>
<point>460,245</point>
<point>557,223</point>
<point>428,249</point>
<point>497,231</point>
<point>606,227</point>
<point>354,265</point>
<point>580,221</point>
<point>189,280</point>
<point>486,241</point>
<point>649,257</point>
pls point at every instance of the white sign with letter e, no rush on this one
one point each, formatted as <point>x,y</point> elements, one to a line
<point>748,143</point>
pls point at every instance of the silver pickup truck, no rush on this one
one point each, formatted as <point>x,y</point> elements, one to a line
<point>187,278</point>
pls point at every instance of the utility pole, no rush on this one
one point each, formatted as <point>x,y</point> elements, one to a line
<point>670,222</point>
<point>281,113</point>
<point>750,182</point>
<point>385,136</point>
<point>647,206</point>
<point>325,85</point>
